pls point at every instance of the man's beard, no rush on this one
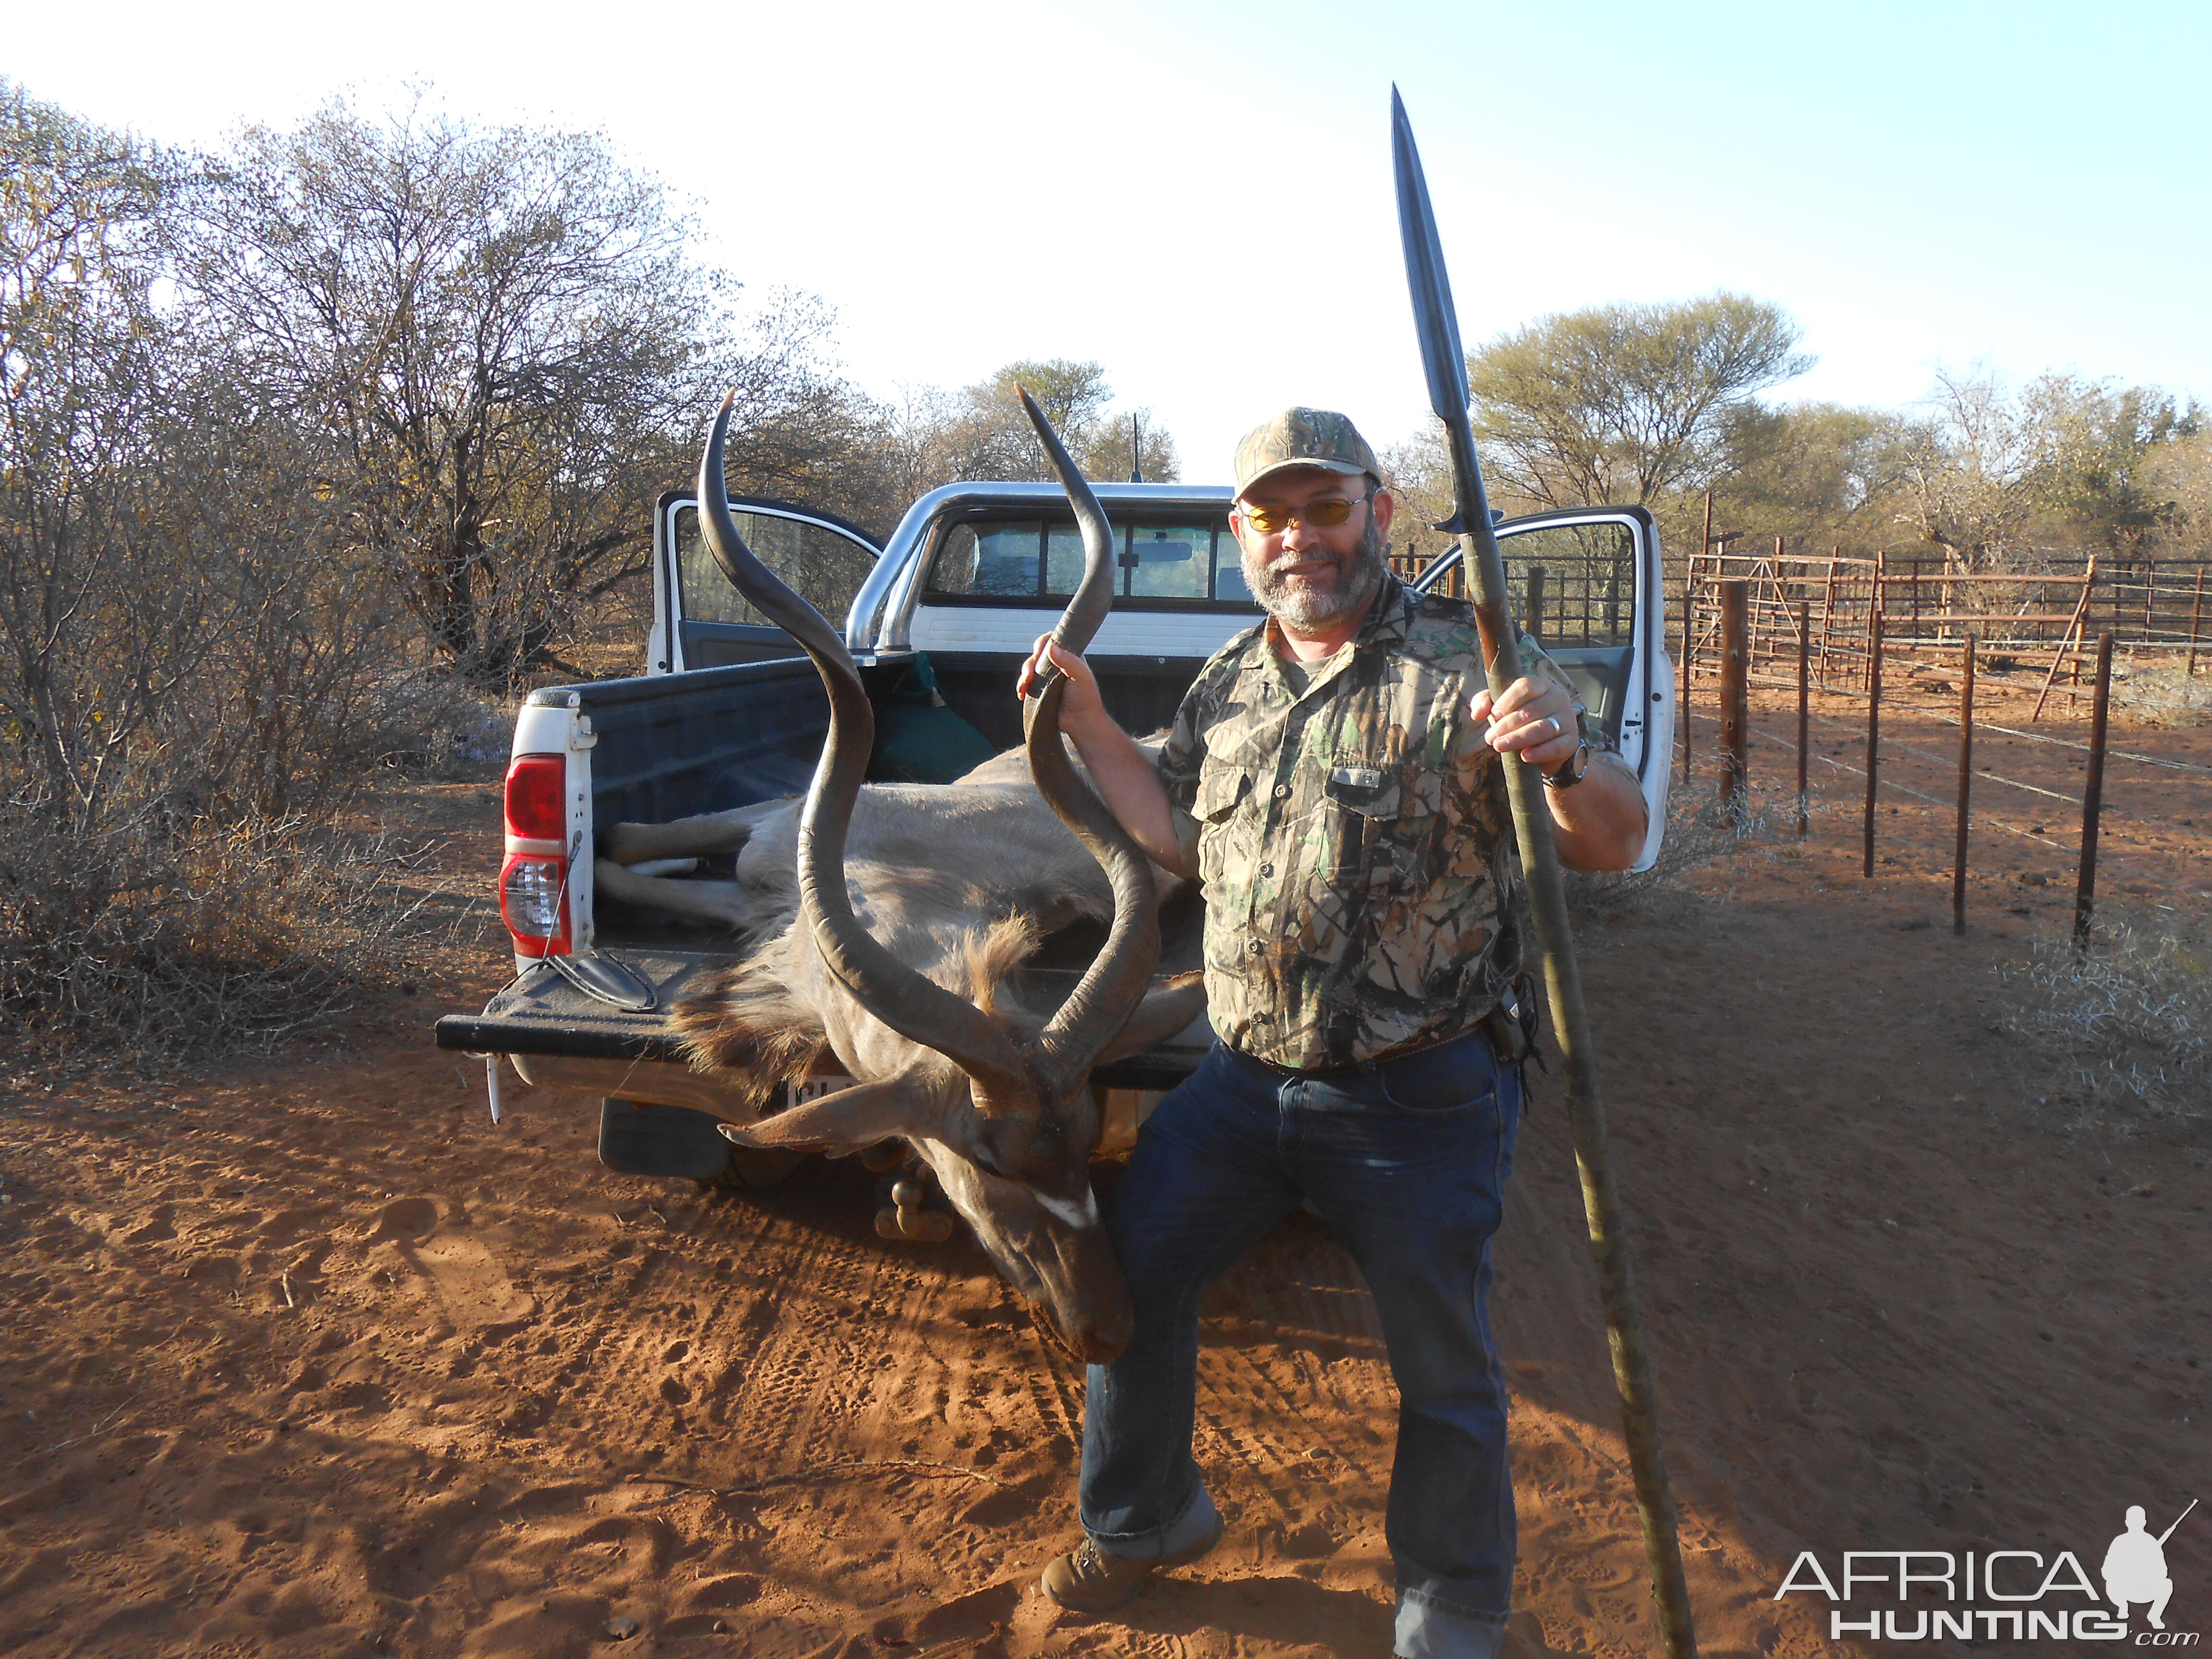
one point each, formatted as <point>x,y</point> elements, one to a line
<point>1311,604</point>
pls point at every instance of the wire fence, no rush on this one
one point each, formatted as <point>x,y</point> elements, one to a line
<point>2036,628</point>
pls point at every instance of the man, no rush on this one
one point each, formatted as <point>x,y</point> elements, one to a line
<point>1333,777</point>
<point>2135,1570</point>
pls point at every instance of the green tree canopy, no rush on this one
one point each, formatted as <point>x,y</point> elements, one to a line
<point>1624,402</point>
<point>1817,471</point>
<point>983,433</point>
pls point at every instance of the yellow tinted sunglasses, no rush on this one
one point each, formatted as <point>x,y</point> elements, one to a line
<point>1325,513</point>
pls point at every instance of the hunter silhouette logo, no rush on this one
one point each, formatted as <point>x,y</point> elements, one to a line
<point>2135,1567</point>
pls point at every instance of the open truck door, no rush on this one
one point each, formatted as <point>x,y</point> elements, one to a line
<point>1598,610</point>
<point>699,620</point>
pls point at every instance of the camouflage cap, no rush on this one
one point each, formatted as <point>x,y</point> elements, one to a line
<point>1303,437</point>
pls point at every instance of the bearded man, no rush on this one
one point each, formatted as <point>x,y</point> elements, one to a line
<point>1334,776</point>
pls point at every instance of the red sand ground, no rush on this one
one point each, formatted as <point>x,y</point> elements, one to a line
<point>310,1359</point>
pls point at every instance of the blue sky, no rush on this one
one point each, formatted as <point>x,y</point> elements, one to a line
<point>1199,195</point>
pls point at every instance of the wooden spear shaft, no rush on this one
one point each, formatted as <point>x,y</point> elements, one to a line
<point>1570,1026</point>
<point>1444,363</point>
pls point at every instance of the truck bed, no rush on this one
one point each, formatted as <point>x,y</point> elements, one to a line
<point>670,746</point>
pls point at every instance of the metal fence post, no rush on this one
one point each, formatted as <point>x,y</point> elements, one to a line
<point>1874,727</point>
<point>2093,792</point>
<point>2195,621</point>
<point>1735,693</point>
<point>1965,784</point>
<point>1804,711</point>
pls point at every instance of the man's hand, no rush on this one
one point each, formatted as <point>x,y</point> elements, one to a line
<point>1082,710</point>
<point>1533,719</point>
<point>1124,774</point>
<point>1599,823</point>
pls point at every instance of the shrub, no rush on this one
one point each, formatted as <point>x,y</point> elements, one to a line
<point>2124,1027</point>
<point>168,941</point>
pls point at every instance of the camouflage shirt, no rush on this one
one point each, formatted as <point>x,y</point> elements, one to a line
<point>1353,837</point>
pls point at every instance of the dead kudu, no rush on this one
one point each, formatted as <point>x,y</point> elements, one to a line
<point>891,921</point>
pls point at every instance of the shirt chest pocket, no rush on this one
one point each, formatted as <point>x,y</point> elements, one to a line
<point>1379,823</point>
<point>1220,786</point>
<point>1228,838</point>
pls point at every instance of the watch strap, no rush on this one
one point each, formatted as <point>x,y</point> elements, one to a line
<point>1571,769</point>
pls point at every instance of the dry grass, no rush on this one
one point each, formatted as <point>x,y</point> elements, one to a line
<point>2158,688</point>
<point>158,948</point>
<point>188,910</point>
<point>1700,837</point>
<point>2124,1028</point>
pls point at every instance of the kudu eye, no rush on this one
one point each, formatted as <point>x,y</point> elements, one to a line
<point>983,1156</point>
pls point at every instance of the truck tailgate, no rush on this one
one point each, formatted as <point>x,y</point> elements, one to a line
<point>542,1012</point>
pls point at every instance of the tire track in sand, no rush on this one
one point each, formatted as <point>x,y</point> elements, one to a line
<point>617,1365</point>
<point>812,1361</point>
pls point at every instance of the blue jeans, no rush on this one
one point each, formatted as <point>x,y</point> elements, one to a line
<point>1406,1162</point>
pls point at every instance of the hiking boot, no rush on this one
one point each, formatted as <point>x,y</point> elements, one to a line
<point>1090,1580</point>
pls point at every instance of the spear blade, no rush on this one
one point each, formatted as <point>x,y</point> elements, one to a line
<point>1444,362</point>
<point>1434,318</point>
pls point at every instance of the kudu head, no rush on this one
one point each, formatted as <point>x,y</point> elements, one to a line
<point>1010,1132</point>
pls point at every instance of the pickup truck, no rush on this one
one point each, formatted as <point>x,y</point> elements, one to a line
<point>729,713</point>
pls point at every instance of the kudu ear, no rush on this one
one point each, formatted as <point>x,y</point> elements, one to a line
<point>845,1122</point>
<point>1168,1006</point>
<point>857,1118</point>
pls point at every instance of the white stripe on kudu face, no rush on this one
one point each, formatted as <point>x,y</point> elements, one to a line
<point>1085,1215</point>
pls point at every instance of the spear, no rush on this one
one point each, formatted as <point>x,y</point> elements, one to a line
<point>1446,364</point>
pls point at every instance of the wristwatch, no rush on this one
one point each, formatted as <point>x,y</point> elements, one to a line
<point>1571,769</point>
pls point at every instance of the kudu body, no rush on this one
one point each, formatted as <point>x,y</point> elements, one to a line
<point>891,919</point>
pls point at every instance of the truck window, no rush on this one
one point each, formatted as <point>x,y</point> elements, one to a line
<point>1040,563</point>
<point>1586,617</point>
<point>990,561</point>
<point>1168,564</point>
<point>1589,585</point>
<point>1229,587</point>
<point>823,567</point>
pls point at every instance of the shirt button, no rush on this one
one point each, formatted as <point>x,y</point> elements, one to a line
<point>1282,790</point>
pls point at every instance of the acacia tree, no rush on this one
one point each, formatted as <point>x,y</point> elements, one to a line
<point>81,230</point>
<point>178,630</point>
<point>1974,465</point>
<point>935,437</point>
<point>501,332</point>
<point>2181,473</point>
<point>1818,471</point>
<point>1624,403</point>
<point>2105,482</point>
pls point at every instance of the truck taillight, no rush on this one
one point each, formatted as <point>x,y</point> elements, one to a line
<point>532,901</point>
<point>533,883</point>
<point>535,808</point>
